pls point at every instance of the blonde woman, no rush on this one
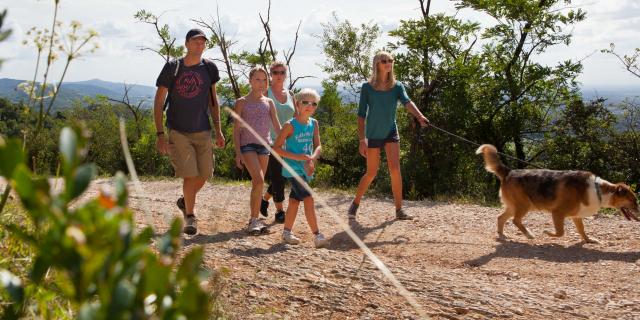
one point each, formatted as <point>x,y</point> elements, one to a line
<point>285,107</point>
<point>377,129</point>
<point>259,113</point>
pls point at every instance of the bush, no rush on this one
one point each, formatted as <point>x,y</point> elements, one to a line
<point>96,262</point>
<point>147,159</point>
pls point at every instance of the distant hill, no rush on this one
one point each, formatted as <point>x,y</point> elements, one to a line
<point>613,94</point>
<point>73,91</point>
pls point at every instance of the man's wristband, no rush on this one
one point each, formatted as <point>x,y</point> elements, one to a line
<point>159,133</point>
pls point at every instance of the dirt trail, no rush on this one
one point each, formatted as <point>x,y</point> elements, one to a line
<point>448,257</point>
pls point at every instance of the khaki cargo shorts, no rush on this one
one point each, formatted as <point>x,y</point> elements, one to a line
<point>191,154</point>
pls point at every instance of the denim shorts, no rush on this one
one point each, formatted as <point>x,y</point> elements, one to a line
<point>379,143</point>
<point>254,147</point>
<point>298,191</point>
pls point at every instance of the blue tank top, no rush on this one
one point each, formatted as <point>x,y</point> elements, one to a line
<point>299,142</point>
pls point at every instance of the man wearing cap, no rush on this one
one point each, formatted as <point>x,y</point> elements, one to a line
<point>189,86</point>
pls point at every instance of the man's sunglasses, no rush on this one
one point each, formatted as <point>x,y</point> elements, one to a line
<point>306,103</point>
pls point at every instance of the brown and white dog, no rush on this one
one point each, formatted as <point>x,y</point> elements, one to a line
<point>565,194</point>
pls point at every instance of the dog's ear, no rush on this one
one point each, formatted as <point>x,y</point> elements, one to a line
<point>621,190</point>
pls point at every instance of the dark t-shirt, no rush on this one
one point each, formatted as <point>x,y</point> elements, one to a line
<point>189,95</point>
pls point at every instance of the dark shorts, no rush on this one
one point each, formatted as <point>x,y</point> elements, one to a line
<point>298,191</point>
<point>274,176</point>
<point>254,147</point>
<point>379,143</point>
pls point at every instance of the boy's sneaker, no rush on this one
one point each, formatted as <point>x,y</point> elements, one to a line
<point>264,206</point>
<point>401,215</point>
<point>352,210</point>
<point>319,241</point>
<point>181,206</point>
<point>190,225</point>
<point>279,216</point>
<point>289,238</point>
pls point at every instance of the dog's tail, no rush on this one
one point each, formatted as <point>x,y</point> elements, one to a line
<point>492,161</point>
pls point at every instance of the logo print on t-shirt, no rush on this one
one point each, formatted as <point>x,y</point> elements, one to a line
<point>189,84</point>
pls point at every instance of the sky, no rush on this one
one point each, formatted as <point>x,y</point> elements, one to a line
<point>119,58</point>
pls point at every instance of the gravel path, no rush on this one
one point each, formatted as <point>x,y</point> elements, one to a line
<point>448,258</point>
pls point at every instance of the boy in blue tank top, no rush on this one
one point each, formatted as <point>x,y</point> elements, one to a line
<point>299,145</point>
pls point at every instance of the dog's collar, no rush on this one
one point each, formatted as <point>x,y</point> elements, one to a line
<point>598,190</point>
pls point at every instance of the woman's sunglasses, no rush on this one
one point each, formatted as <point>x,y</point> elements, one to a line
<point>306,103</point>
<point>278,72</point>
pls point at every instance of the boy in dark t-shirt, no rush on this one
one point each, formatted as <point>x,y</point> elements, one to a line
<point>192,97</point>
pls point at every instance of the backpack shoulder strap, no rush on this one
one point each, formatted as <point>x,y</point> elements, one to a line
<point>207,64</point>
<point>173,80</point>
<point>210,65</point>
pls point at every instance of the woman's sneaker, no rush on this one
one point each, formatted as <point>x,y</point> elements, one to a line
<point>279,216</point>
<point>255,226</point>
<point>289,238</point>
<point>319,241</point>
<point>401,215</point>
<point>352,211</point>
<point>264,207</point>
<point>190,225</point>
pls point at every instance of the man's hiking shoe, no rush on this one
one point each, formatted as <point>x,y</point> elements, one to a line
<point>264,206</point>
<point>352,210</point>
<point>401,215</point>
<point>319,241</point>
<point>289,238</point>
<point>257,227</point>
<point>190,221</point>
<point>181,206</point>
<point>279,216</point>
<point>190,225</point>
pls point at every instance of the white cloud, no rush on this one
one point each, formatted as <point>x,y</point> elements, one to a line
<point>120,59</point>
<point>12,47</point>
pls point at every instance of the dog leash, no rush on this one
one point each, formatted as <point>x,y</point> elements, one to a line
<point>478,144</point>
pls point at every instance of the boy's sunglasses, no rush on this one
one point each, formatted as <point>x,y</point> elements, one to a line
<point>306,103</point>
<point>385,61</point>
<point>278,72</point>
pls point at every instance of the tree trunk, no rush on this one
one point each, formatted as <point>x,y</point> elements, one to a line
<point>517,140</point>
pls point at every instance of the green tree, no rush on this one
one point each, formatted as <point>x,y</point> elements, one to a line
<point>167,49</point>
<point>12,119</point>
<point>102,120</point>
<point>521,91</point>
<point>627,141</point>
<point>581,138</point>
<point>349,51</point>
<point>341,164</point>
